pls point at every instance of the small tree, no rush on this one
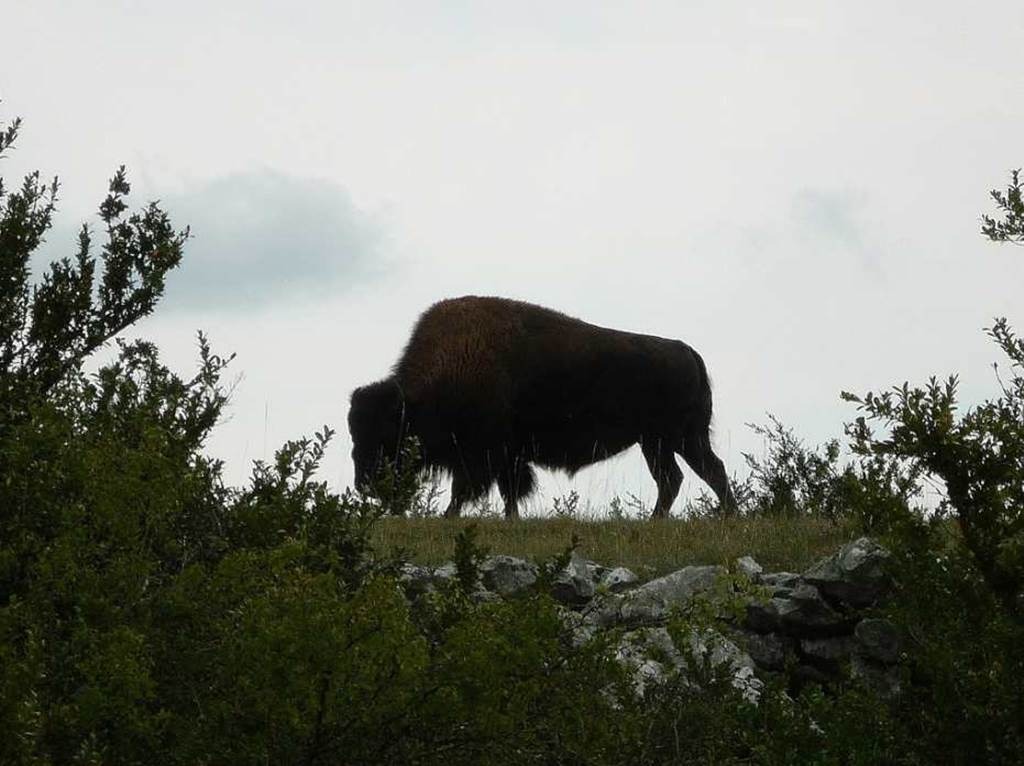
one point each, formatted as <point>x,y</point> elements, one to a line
<point>48,329</point>
<point>1011,203</point>
<point>978,455</point>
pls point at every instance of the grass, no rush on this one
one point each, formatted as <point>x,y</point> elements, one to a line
<point>649,548</point>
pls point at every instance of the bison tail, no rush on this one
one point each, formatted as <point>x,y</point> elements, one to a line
<point>703,394</point>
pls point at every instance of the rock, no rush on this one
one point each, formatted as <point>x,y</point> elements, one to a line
<point>680,586</point>
<point>805,674</point>
<point>802,612</point>
<point>768,651</point>
<point>883,679</point>
<point>446,572</point>
<point>805,613</point>
<point>855,575</point>
<point>721,651</point>
<point>507,575</point>
<point>482,596</point>
<point>652,602</point>
<point>618,609</point>
<point>782,580</point>
<point>573,585</point>
<point>417,580</point>
<point>617,579</point>
<point>582,630</point>
<point>595,571</point>
<point>652,655</point>
<point>410,572</point>
<point>827,653</point>
<point>748,567</point>
<point>762,616</point>
<point>878,640</point>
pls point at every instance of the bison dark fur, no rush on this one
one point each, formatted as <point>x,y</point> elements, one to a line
<point>491,387</point>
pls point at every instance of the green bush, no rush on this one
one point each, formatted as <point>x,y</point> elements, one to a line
<point>151,614</point>
<point>960,566</point>
<point>791,479</point>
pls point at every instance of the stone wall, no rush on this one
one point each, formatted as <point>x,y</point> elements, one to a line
<point>812,626</point>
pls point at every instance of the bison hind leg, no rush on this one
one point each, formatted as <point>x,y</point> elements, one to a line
<point>516,483</point>
<point>708,466</point>
<point>661,460</point>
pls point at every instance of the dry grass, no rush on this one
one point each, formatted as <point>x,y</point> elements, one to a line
<point>647,547</point>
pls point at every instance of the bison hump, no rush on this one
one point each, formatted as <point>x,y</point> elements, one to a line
<point>461,345</point>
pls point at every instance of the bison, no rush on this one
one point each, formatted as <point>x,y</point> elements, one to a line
<point>491,387</point>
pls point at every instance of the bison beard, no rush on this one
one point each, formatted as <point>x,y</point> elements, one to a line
<point>491,387</point>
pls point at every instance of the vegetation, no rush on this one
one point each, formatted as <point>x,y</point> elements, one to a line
<point>151,614</point>
<point>1010,226</point>
<point>649,547</point>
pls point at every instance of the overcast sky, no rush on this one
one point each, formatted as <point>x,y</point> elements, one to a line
<point>793,188</point>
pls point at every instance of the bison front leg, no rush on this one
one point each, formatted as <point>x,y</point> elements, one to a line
<point>468,484</point>
<point>461,493</point>
<point>661,460</point>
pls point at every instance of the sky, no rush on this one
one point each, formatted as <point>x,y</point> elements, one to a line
<point>792,188</point>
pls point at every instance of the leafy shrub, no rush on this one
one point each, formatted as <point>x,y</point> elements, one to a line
<point>567,506</point>
<point>1011,206</point>
<point>961,597</point>
<point>792,479</point>
<point>151,614</point>
<point>979,457</point>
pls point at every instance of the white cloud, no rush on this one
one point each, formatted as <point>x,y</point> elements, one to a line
<point>263,238</point>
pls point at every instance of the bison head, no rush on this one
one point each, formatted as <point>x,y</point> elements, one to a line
<point>375,422</point>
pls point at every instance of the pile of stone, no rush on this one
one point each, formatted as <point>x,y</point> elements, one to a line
<point>815,626</point>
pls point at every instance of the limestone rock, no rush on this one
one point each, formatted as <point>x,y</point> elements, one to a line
<point>483,596</point>
<point>652,655</point>
<point>652,602</point>
<point>507,575</point>
<point>746,565</point>
<point>854,575</point>
<point>573,585</point>
<point>762,616</point>
<point>721,651</point>
<point>595,571</point>
<point>680,586</point>
<point>417,580</point>
<point>800,612</point>
<point>884,679</point>
<point>581,630</point>
<point>878,640</point>
<point>828,653</point>
<point>805,613</point>
<point>649,654</point>
<point>445,572</point>
<point>618,579</point>
<point>787,580</point>
<point>768,651</point>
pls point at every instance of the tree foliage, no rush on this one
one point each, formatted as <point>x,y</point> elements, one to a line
<point>1010,226</point>
<point>791,478</point>
<point>978,456</point>
<point>47,329</point>
<point>151,614</point>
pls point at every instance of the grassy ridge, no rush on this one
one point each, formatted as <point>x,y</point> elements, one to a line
<point>647,547</point>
